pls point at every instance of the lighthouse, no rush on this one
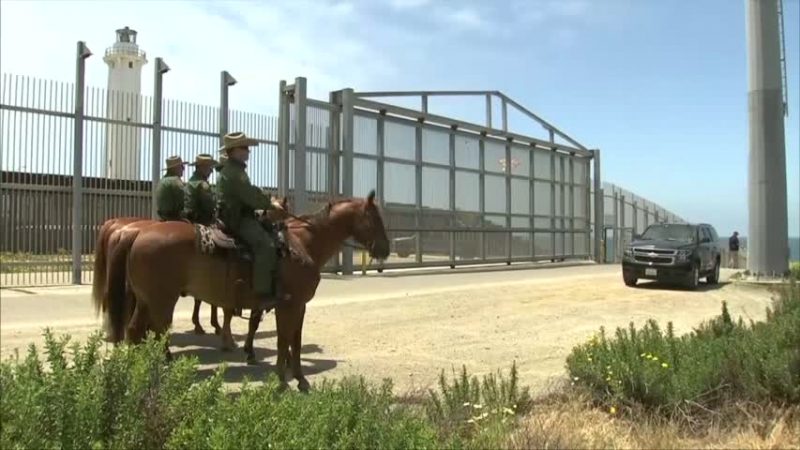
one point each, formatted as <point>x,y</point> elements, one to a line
<point>124,105</point>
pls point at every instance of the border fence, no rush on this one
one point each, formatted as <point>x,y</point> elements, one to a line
<point>453,192</point>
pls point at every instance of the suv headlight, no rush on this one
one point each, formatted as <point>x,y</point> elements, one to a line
<point>683,255</point>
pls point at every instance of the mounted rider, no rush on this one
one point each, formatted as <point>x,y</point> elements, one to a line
<point>238,200</point>
<point>171,191</point>
<point>200,197</point>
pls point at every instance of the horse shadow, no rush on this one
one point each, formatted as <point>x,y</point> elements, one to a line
<point>206,348</point>
<point>188,338</point>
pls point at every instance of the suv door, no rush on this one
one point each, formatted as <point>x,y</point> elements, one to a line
<point>706,253</point>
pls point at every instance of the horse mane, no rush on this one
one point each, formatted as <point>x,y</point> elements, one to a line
<point>323,212</point>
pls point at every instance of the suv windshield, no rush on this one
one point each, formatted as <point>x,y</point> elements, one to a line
<point>669,233</point>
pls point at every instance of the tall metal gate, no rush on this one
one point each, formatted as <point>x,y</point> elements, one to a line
<point>453,192</point>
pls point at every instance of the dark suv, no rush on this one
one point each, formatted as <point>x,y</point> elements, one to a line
<point>673,253</point>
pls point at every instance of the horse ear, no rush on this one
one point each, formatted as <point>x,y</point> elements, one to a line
<point>371,197</point>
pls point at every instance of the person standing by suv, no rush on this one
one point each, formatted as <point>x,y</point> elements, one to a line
<point>733,248</point>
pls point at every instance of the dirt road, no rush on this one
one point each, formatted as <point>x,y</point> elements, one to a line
<point>410,326</point>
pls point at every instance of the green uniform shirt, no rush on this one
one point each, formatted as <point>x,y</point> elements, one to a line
<point>237,196</point>
<point>170,198</point>
<point>200,200</point>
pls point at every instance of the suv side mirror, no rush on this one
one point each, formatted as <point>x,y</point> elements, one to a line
<point>636,237</point>
<point>705,240</point>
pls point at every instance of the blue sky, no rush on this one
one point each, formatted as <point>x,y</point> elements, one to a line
<point>659,86</point>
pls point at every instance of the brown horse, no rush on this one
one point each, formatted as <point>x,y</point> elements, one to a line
<point>100,258</point>
<point>107,239</point>
<point>162,260</point>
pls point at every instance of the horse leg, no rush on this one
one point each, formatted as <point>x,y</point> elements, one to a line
<point>255,319</point>
<point>296,344</point>
<point>228,343</point>
<point>215,322</point>
<point>198,329</point>
<point>137,327</point>
<point>161,308</point>
<point>283,323</point>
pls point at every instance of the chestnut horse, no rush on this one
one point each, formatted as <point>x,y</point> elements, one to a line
<point>162,260</point>
<point>107,239</point>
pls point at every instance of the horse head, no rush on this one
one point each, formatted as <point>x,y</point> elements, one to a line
<point>276,215</point>
<point>367,227</point>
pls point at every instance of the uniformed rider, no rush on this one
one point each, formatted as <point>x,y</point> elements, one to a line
<point>238,201</point>
<point>200,196</point>
<point>171,192</point>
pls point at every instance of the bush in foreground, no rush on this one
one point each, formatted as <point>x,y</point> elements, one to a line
<point>720,360</point>
<point>130,398</point>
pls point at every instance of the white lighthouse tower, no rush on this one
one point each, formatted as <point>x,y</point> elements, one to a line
<point>123,142</point>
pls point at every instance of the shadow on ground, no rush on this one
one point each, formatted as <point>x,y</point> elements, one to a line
<point>702,287</point>
<point>206,348</point>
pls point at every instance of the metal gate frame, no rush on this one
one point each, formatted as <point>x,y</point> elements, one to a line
<point>346,104</point>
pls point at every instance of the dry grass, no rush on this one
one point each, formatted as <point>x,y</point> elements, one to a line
<point>567,419</point>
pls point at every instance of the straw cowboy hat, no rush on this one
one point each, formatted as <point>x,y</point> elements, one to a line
<point>174,161</point>
<point>235,140</point>
<point>204,159</point>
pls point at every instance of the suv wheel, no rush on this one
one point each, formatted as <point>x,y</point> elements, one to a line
<point>694,277</point>
<point>714,277</point>
<point>630,280</point>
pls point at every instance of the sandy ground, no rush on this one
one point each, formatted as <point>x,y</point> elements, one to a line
<point>411,325</point>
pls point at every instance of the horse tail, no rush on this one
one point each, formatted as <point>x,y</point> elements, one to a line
<point>119,307</point>
<point>99,276</point>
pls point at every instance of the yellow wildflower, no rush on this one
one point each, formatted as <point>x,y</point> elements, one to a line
<point>655,358</point>
<point>664,365</point>
<point>613,410</point>
<point>642,355</point>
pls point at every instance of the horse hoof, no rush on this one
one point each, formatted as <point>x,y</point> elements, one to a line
<point>303,385</point>
<point>251,360</point>
<point>217,331</point>
<point>199,330</point>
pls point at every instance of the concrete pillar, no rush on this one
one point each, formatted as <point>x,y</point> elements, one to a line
<point>768,228</point>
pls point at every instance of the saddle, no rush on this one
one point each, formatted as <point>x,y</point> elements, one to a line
<point>216,240</point>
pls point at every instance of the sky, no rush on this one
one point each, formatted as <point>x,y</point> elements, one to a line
<point>659,86</point>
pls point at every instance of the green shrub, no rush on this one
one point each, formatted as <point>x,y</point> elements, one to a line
<point>794,270</point>
<point>758,362</point>
<point>133,399</point>
<point>477,413</point>
<point>129,397</point>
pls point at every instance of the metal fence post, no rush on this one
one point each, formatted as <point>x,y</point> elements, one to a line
<point>226,81</point>
<point>418,219</point>
<point>83,52</point>
<point>283,140</point>
<point>300,194</point>
<point>158,97</point>
<point>615,208</point>
<point>622,225</point>
<point>507,176</point>
<point>452,195</point>
<point>553,188</point>
<point>599,217</point>
<point>348,100</point>
<point>380,147</point>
